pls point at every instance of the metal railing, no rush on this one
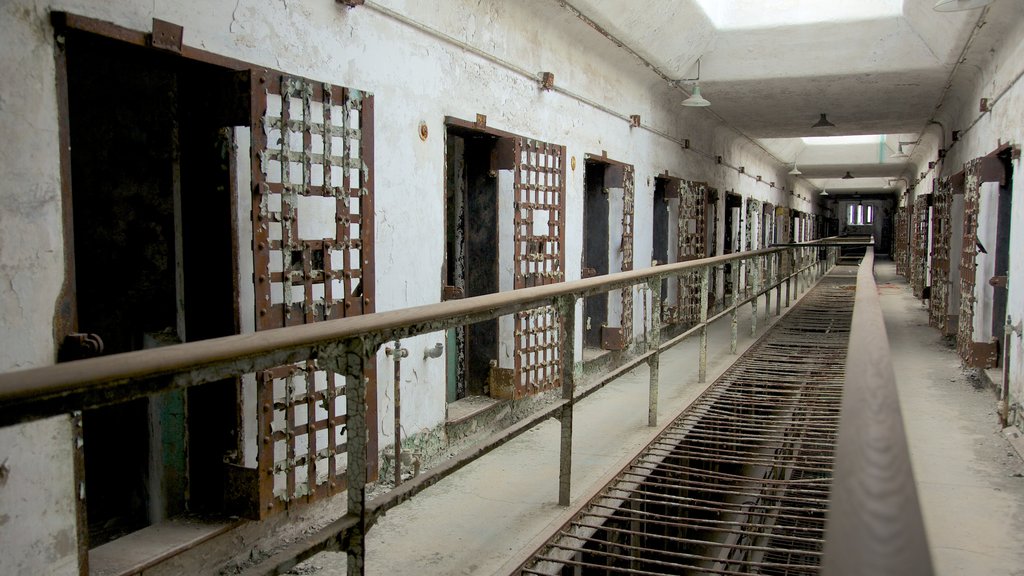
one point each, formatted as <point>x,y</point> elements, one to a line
<point>874,523</point>
<point>343,346</point>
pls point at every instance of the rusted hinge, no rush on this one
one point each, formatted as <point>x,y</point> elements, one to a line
<point>452,293</point>
<point>166,36</point>
<point>998,281</point>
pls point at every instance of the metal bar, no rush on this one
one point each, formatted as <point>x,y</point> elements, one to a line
<point>702,373</point>
<point>875,524</point>
<point>40,392</point>
<point>755,274</point>
<point>734,277</point>
<point>566,306</point>
<point>653,362</point>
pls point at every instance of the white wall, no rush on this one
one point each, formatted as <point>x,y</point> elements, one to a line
<point>998,79</point>
<point>415,78</point>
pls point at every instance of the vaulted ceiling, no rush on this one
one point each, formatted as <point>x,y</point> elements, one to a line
<point>878,68</point>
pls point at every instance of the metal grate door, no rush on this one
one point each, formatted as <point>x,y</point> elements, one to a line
<point>312,159</point>
<point>539,259</point>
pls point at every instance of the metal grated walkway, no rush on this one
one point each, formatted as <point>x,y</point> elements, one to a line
<point>739,483</point>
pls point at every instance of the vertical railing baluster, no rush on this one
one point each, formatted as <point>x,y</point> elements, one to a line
<point>655,343</point>
<point>566,307</point>
<point>703,368</point>
<point>349,360</point>
<point>733,314</point>
<point>778,283</point>
<point>755,277</point>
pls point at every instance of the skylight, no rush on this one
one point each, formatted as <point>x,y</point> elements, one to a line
<point>752,14</point>
<point>833,140</point>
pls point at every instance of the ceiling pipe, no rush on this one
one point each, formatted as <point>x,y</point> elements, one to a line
<point>649,65</point>
<point>978,24</point>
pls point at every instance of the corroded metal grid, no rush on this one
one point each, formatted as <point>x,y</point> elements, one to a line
<point>313,261</point>
<point>968,264</point>
<point>628,196</point>
<point>901,243</point>
<point>938,311</point>
<point>919,246</point>
<point>784,235</point>
<point>539,258</point>
<point>767,233</point>
<point>752,229</point>
<point>740,482</point>
<point>692,222</point>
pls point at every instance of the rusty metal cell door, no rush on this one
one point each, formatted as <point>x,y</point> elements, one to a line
<point>902,241</point>
<point>312,217</point>
<point>539,258</point>
<point>628,298</point>
<point>692,222</point>
<point>968,265</point>
<point>919,245</point>
<point>942,202</point>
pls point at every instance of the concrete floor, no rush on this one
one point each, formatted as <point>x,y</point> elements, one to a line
<point>968,476</point>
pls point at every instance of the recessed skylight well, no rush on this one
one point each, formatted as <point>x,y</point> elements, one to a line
<point>753,14</point>
<point>833,140</point>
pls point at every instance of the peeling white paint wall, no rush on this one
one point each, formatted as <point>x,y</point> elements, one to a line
<point>981,134</point>
<point>415,78</point>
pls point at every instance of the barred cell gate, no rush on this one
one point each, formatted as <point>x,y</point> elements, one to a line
<point>539,258</point>
<point>628,187</point>
<point>901,243</point>
<point>312,218</point>
<point>752,240</point>
<point>938,311</point>
<point>919,246</point>
<point>692,224</point>
<point>968,265</point>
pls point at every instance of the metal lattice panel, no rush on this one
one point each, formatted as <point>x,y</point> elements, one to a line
<point>938,311</point>
<point>901,244</point>
<point>692,222</point>
<point>919,248</point>
<point>752,231</point>
<point>313,261</point>
<point>539,258</point>
<point>968,264</point>
<point>627,252</point>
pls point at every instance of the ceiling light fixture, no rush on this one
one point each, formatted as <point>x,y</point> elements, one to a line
<point>824,192</point>
<point>823,122</point>
<point>958,5</point>
<point>795,171</point>
<point>695,100</point>
<point>848,176</point>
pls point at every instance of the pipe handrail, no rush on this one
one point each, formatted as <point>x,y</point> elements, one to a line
<point>45,391</point>
<point>874,523</point>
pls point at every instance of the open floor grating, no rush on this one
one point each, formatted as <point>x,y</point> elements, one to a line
<point>739,483</point>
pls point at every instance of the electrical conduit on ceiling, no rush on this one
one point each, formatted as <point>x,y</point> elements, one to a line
<point>578,97</point>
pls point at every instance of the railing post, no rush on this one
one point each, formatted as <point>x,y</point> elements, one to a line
<point>348,359</point>
<point>778,283</point>
<point>566,307</point>
<point>654,361</point>
<point>790,259</point>
<point>755,277</point>
<point>702,373</point>
<point>733,319</point>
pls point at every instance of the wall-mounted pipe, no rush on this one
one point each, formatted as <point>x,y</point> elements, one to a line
<point>1008,329</point>
<point>435,352</point>
<point>397,353</point>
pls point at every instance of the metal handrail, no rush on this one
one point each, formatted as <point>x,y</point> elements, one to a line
<point>874,523</point>
<point>35,393</point>
<point>344,345</point>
